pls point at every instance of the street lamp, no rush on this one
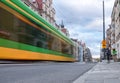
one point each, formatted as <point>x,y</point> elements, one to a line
<point>103,21</point>
<point>103,41</point>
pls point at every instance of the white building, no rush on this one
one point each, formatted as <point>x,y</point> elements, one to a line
<point>81,52</point>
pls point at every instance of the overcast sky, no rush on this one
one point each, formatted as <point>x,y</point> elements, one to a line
<point>83,19</point>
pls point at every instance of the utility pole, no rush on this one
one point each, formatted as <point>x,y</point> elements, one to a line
<point>103,41</point>
<point>103,21</point>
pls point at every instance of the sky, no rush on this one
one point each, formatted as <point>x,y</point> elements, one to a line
<point>84,20</point>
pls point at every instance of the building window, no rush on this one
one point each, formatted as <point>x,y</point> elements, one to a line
<point>119,16</point>
<point>117,45</point>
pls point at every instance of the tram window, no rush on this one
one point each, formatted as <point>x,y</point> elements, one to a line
<point>39,44</point>
<point>22,32</point>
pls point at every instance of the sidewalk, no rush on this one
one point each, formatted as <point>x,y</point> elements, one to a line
<point>102,73</point>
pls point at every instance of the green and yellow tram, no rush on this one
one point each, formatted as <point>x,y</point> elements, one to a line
<point>25,35</point>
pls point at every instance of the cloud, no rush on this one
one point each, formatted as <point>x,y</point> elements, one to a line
<point>83,19</point>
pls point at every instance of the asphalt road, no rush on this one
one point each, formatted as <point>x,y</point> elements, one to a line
<point>42,72</point>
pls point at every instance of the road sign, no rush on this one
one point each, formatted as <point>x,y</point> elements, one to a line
<point>104,44</point>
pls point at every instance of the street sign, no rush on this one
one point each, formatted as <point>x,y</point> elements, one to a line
<point>104,44</point>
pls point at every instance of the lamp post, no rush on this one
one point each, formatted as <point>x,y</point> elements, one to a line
<point>103,41</point>
<point>103,21</point>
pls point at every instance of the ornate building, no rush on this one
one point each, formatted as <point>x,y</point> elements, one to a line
<point>44,8</point>
<point>115,26</point>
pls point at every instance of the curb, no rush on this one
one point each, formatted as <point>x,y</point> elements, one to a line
<point>82,78</point>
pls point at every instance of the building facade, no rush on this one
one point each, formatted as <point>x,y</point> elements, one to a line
<point>44,8</point>
<point>115,25</point>
<point>76,49</point>
<point>64,30</point>
<point>80,52</point>
<point>108,38</point>
<point>87,55</point>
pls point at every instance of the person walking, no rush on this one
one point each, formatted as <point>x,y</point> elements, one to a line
<point>108,54</point>
<point>114,55</point>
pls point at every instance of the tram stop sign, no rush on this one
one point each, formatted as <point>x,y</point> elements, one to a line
<point>104,44</point>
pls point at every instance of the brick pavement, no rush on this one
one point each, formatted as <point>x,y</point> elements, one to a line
<point>102,73</point>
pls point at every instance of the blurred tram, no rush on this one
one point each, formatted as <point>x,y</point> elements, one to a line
<point>25,35</point>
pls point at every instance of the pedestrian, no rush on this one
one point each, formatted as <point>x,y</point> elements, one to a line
<point>108,54</point>
<point>114,55</point>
